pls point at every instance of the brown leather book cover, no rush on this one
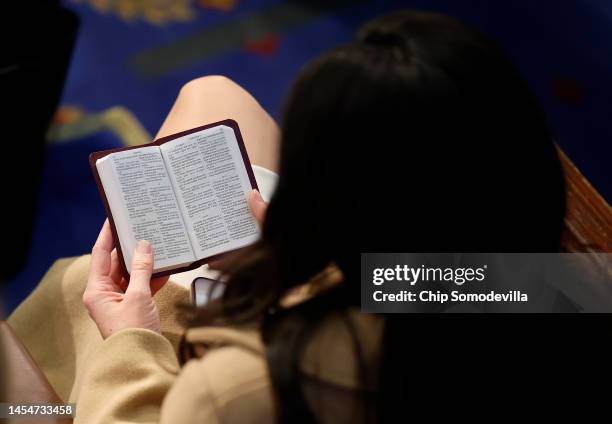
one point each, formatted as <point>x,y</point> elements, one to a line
<point>93,158</point>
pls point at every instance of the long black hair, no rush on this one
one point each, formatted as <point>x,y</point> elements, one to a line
<point>419,136</point>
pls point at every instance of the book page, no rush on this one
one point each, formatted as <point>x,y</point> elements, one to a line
<point>212,185</point>
<point>144,206</point>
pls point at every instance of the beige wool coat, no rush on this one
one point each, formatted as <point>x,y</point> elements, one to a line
<point>135,376</point>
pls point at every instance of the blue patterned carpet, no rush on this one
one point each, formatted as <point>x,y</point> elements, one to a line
<point>138,57</point>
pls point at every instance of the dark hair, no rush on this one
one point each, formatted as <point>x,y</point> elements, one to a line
<point>419,136</point>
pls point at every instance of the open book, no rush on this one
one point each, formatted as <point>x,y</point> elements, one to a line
<point>185,193</point>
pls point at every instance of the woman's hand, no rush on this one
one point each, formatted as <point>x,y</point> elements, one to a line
<point>257,205</point>
<point>114,304</point>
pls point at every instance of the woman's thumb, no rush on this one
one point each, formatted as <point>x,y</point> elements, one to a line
<point>142,267</point>
<point>257,205</point>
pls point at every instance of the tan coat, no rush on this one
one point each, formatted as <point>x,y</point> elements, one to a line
<point>134,375</point>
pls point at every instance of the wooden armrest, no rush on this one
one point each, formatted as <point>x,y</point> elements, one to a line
<point>24,382</point>
<point>588,219</point>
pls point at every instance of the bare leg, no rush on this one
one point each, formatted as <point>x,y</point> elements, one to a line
<point>214,98</point>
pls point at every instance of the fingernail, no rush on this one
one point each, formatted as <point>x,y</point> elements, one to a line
<point>144,247</point>
<point>257,195</point>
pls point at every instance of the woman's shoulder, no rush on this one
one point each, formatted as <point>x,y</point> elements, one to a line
<point>340,342</point>
<point>229,373</point>
<point>235,356</point>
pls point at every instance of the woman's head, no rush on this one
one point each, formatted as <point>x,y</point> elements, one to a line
<point>418,136</point>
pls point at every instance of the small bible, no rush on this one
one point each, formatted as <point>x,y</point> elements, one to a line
<point>186,193</point>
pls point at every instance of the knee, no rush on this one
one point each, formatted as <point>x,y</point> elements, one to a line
<point>198,87</point>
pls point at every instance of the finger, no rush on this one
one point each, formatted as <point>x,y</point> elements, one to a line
<point>157,284</point>
<point>142,268</point>
<point>258,206</point>
<point>116,272</point>
<point>216,265</point>
<point>123,284</point>
<point>222,263</point>
<point>101,253</point>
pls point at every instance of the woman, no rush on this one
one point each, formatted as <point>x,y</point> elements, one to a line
<point>418,136</point>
